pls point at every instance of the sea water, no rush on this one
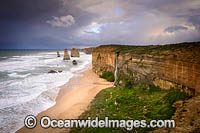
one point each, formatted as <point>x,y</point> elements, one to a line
<point>26,87</point>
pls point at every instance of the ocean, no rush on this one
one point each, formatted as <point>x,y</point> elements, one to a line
<point>26,87</point>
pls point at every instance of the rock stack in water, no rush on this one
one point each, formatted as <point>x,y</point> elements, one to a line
<point>66,55</point>
<point>74,53</point>
<point>74,62</point>
<point>58,54</point>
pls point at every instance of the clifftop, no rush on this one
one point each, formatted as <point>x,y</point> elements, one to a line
<point>183,51</point>
<point>87,50</point>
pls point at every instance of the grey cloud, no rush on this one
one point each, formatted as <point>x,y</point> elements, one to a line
<point>21,10</point>
<point>140,22</point>
<point>172,29</point>
<point>63,21</point>
<point>195,20</point>
<point>95,22</point>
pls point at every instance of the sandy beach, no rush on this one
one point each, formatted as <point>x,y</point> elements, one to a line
<point>72,100</point>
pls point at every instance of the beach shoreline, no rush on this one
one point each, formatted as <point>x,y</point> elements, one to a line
<point>72,99</point>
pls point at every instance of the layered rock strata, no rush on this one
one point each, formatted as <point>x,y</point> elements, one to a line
<point>171,66</point>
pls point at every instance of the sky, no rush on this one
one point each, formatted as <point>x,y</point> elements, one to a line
<point>58,24</point>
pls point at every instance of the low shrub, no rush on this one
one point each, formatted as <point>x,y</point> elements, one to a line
<point>175,95</point>
<point>109,76</point>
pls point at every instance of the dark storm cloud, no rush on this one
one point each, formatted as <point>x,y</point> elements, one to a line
<point>20,10</point>
<point>71,23</point>
<point>20,21</point>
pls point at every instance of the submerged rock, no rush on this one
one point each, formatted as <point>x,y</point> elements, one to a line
<point>66,55</point>
<point>52,71</point>
<point>58,54</point>
<point>74,62</point>
<point>59,71</point>
<point>75,53</point>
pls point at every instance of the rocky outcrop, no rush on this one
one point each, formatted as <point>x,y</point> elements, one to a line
<point>187,117</point>
<point>66,55</point>
<point>58,54</point>
<point>168,66</point>
<point>74,53</point>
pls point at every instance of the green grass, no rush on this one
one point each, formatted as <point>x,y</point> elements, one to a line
<point>109,76</point>
<point>135,103</point>
<point>154,48</point>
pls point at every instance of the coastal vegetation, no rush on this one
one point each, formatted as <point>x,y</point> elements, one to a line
<point>109,76</point>
<point>132,103</point>
<point>150,49</point>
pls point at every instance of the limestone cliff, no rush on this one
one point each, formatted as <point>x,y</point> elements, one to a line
<point>168,66</point>
<point>74,53</point>
<point>103,59</point>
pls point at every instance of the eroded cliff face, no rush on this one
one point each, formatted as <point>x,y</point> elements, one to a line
<point>170,66</point>
<point>103,59</point>
<point>187,117</point>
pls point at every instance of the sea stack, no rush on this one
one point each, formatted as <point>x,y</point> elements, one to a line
<point>75,53</point>
<point>66,55</point>
<point>58,54</point>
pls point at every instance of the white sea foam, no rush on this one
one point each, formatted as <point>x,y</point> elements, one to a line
<point>29,88</point>
<point>15,75</point>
